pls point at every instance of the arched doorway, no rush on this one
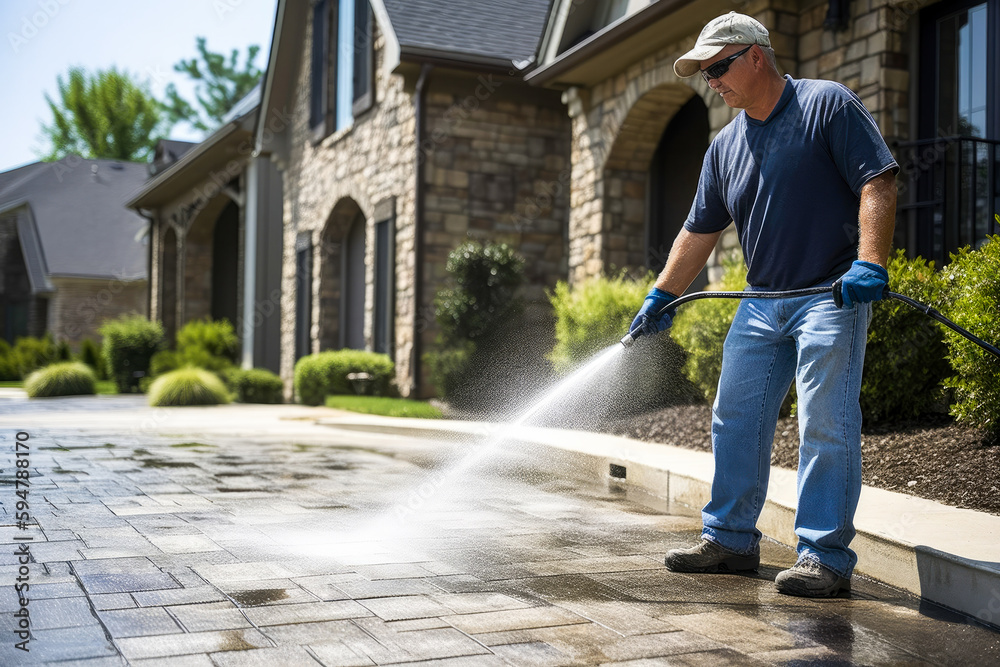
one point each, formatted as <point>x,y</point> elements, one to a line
<point>225,264</point>
<point>355,287</point>
<point>168,283</point>
<point>673,177</point>
<point>342,280</point>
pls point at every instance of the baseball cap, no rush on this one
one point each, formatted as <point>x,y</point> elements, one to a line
<point>731,28</point>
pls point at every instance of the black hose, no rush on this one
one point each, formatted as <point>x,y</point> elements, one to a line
<point>810,291</point>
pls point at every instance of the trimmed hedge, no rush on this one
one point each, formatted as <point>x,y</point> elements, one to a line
<point>973,279</point>
<point>8,363</point>
<point>129,344</point>
<point>318,375</point>
<point>207,344</point>
<point>90,354</point>
<point>906,358</point>
<point>188,386</point>
<point>30,354</point>
<point>700,327</point>
<point>69,378</point>
<point>595,314</point>
<point>257,385</point>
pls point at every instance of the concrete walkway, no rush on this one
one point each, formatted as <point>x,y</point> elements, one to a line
<point>251,535</point>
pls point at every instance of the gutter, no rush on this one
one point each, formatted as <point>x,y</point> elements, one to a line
<point>596,44</point>
<point>149,263</point>
<point>453,60</point>
<point>418,223</point>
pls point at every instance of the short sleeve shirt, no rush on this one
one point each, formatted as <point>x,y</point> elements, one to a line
<point>792,184</point>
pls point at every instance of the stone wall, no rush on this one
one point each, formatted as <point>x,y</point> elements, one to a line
<point>81,305</point>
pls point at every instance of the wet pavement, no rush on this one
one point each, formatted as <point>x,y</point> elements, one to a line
<point>248,535</point>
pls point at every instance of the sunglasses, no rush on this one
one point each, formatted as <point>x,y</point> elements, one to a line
<point>719,68</point>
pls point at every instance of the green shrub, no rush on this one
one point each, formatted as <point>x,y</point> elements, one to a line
<point>974,296</point>
<point>187,386</point>
<point>130,342</point>
<point>701,327</point>
<point>31,354</point>
<point>63,352</point>
<point>318,375</point>
<point>61,379</point>
<point>475,314</point>
<point>257,385</point>
<point>906,358</point>
<point>486,279</point>
<point>595,314</point>
<point>90,354</point>
<point>207,344</point>
<point>8,363</point>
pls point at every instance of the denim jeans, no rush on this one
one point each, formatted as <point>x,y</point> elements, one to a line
<point>821,347</point>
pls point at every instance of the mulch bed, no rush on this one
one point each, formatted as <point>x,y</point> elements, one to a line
<point>932,458</point>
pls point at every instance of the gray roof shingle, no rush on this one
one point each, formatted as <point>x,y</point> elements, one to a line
<point>83,225</point>
<point>505,29</point>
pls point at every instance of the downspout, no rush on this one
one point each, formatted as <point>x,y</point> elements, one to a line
<point>149,263</point>
<point>418,225</point>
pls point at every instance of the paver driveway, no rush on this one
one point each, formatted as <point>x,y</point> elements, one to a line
<point>249,535</point>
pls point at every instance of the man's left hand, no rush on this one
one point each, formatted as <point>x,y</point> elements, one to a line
<point>864,282</point>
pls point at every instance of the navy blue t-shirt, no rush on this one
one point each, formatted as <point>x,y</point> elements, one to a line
<point>792,184</point>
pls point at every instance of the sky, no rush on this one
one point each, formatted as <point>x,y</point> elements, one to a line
<point>41,39</point>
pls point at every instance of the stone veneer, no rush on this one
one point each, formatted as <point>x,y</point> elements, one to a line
<point>496,159</point>
<point>618,122</point>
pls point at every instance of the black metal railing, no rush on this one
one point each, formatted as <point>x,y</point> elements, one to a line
<point>950,189</point>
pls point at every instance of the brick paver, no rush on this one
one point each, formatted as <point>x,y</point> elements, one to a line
<point>231,536</point>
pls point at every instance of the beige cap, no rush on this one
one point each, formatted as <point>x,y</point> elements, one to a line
<point>731,28</point>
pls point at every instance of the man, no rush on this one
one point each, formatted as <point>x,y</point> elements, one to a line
<point>809,182</point>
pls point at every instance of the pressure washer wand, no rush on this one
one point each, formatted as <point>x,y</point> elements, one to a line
<point>628,339</point>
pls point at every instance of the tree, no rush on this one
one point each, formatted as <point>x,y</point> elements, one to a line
<point>103,115</point>
<point>221,83</point>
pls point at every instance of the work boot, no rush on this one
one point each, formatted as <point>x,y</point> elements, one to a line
<point>810,579</point>
<point>709,557</point>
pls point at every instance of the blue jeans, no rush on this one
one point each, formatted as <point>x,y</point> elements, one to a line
<point>822,347</point>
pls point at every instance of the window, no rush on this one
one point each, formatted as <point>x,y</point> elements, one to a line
<point>343,57</point>
<point>303,295</point>
<point>385,269</point>
<point>953,167</point>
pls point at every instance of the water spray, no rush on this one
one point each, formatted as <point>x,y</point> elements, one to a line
<point>628,339</point>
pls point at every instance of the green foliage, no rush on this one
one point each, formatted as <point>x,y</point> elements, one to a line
<point>485,281</point>
<point>61,379</point>
<point>594,315</point>
<point>906,357</point>
<point>257,385</point>
<point>220,83</point>
<point>63,352</point>
<point>476,315</point>
<point>103,115</point>
<point>319,375</point>
<point>34,353</point>
<point>8,363</point>
<point>207,344</point>
<point>187,386</point>
<point>130,342</point>
<point>701,327</point>
<point>383,405</point>
<point>974,295</point>
<point>90,354</point>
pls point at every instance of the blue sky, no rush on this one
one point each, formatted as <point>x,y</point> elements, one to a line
<point>42,39</point>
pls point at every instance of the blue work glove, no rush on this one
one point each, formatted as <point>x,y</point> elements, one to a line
<point>864,282</point>
<point>649,321</point>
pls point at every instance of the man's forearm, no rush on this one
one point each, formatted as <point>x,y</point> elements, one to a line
<point>688,256</point>
<point>877,218</point>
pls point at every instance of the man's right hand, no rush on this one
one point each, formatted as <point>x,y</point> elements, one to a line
<point>653,317</point>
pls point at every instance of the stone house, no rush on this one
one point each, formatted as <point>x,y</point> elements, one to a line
<point>411,131</point>
<point>928,71</point>
<point>71,255</point>
<point>215,212</point>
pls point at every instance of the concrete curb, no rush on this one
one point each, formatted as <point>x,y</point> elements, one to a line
<point>943,554</point>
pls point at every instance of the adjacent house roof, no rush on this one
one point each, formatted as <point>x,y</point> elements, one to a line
<point>75,221</point>
<point>507,30</point>
<point>167,152</point>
